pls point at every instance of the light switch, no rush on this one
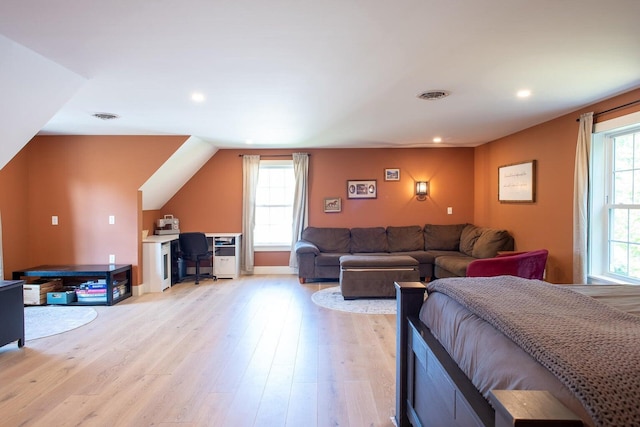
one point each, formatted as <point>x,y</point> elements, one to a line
<point>449,210</point>
<point>112,259</point>
<point>112,219</point>
<point>54,220</point>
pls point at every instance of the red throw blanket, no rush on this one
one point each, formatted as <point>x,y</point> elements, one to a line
<point>592,348</point>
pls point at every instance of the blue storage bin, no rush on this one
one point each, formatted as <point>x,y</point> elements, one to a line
<point>61,297</point>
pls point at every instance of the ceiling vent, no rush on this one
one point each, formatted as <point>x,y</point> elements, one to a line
<point>105,116</point>
<point>433,95</point>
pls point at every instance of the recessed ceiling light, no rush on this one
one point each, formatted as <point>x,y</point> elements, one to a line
<point>105,116</point>
<point>434,95</point>
<point>524,93</point>
<point>437,139</point>
<point>197,97</point>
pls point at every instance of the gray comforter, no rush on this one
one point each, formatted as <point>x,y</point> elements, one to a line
<point>592,348</point>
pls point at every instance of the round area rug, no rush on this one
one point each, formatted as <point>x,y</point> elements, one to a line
<point>47,320</point>
<point>332,298</point>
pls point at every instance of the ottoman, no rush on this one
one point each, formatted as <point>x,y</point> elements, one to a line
<point>372,276</point>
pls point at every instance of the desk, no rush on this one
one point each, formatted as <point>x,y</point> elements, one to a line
<point>159,266</point>
<point>117,276</point>
<point>11,312</point>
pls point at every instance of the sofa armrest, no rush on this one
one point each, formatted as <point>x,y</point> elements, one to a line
<point>305,247</point>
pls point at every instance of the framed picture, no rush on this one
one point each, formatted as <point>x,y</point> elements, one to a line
<point>362,189</point>
<point>392,174</point>
<point>517,182</point>
<point>332,204</point>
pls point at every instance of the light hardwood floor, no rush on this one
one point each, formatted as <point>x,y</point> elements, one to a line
<point>255,351</point>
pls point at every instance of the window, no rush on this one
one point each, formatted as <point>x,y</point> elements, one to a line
<point>624,209</point>
<point>274,204</point>
<point>615,230</point>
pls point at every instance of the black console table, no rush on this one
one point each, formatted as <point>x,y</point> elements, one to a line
<point>11,312</point>
<point>115,275</point>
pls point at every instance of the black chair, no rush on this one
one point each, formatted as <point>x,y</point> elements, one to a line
<point>194,247</point>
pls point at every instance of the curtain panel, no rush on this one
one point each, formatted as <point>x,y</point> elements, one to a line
<point>250,171</point>
<point>581,186</point>
<point>300,202</point>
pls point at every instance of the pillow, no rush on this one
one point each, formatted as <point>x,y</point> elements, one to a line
<point>442,237</point>
<point>468,239</point>
<point>328,239</point>
<point>490,242</point>
<point>405,239</point>
<point>370,239</point>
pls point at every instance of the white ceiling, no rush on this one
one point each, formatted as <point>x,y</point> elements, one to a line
<point>331,73</point>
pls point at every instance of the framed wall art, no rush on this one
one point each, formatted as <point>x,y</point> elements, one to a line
<point>332,204</point>
<point>517,182</point>
<point>392,174</point>
<point>362,189</point>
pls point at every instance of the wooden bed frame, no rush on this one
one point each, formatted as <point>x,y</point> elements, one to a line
<point>431,390</point>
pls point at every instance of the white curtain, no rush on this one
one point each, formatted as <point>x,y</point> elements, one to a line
<point>300,201</point>
<point>250,171</point>
<point>581,199</point>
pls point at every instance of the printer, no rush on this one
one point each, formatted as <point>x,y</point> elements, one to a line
<point>168,225</point>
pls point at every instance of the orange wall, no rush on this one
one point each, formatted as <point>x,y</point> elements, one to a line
<point>547,223</point>
<point>14,207</point>
<point>149,220</point>
<point>82,180</point>
<point>212,200</point>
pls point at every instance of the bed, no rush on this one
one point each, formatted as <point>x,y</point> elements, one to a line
<point>509,351</point>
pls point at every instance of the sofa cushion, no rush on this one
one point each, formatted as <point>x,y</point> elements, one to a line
<point>468,239</point>
<point>369,239</point>
<point>329,258</point>
<point>456,265</point>
<point>442,237</point>
<point>423,257</point>
<point>435,253</point>
<point>490,242</point>
<point>407,238</point>
<point>328,239</point>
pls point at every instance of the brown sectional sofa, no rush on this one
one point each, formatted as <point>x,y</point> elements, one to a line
<point>441,250</point>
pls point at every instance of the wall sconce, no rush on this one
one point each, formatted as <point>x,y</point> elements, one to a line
<point>422,190</point>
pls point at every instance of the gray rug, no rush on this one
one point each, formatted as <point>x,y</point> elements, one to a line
<point>47,320</point>
<point>332,298</point>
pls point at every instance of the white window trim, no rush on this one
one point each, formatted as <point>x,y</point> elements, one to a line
<point>619,123</point>
<point>274,247</point>
<point>600,196</point>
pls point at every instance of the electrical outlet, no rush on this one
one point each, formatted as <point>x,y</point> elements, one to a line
<point>449,210</point>
<point>54,220</point>
<point>112,259</point>
<point>112,219</point>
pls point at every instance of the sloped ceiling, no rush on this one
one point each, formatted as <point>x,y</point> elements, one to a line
<point>33,89</point>
<point>175,172</point>
<point>332,73</point>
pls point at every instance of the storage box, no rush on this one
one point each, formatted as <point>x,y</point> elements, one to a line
<point>65,297</point>
<point>35,292</point>
<point>91,295</point>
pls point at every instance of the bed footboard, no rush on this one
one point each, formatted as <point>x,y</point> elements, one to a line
<point>431,390</point>
<point>409,299</point>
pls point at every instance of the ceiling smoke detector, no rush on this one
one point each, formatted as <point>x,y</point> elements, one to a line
<point>105,116</point>
<point>433,95</point>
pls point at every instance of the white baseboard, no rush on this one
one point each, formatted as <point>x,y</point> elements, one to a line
<point>142,289</point>
<point>139,290</point>
<point>274,269</point>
